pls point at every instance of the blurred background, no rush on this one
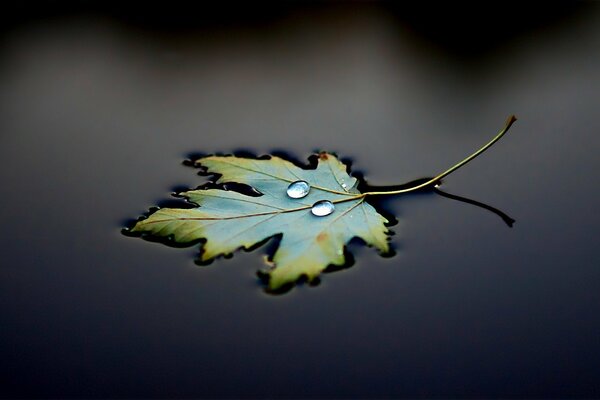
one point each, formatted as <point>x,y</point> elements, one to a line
<point>100,102</point>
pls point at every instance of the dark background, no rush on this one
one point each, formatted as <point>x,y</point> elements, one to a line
<point>100,102</point>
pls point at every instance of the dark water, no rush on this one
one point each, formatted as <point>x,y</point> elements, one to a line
<point>97,116</point>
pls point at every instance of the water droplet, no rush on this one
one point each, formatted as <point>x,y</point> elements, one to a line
<point>344,186</point>
<point>298,189</point>
<point>322,208</point>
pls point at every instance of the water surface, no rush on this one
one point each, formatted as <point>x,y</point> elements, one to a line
<point>97,117</point>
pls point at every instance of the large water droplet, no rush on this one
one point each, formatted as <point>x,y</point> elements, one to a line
<point>322,208</point>
<point>298,189</point>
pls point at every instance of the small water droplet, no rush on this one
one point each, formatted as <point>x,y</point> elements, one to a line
<point>322,208</point>
<point>344,186</point>
<point>298,189</point>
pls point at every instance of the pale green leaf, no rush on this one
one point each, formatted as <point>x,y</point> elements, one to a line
<point>229,220</point>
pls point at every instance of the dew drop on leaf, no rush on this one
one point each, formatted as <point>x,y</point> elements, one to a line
<point>298,189</point>
<point>322,208</point>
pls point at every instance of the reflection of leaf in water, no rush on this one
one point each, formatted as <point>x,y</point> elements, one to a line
<point>316,219</point>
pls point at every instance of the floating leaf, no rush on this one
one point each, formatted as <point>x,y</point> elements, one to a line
<point>315,212</point>
<point>229,220</point>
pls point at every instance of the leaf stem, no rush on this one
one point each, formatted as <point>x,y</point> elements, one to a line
<point>450,170</point>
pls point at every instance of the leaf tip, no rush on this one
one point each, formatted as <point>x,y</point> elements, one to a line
<point>323,155</point>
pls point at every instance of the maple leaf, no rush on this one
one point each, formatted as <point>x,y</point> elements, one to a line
<point>315,211</point>
<point>228,220</point>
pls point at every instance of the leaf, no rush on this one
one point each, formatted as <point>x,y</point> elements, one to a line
<point>229,220</point>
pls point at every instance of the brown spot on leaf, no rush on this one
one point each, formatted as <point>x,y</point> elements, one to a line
<point>323,156</point>
<point>321,237</point>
